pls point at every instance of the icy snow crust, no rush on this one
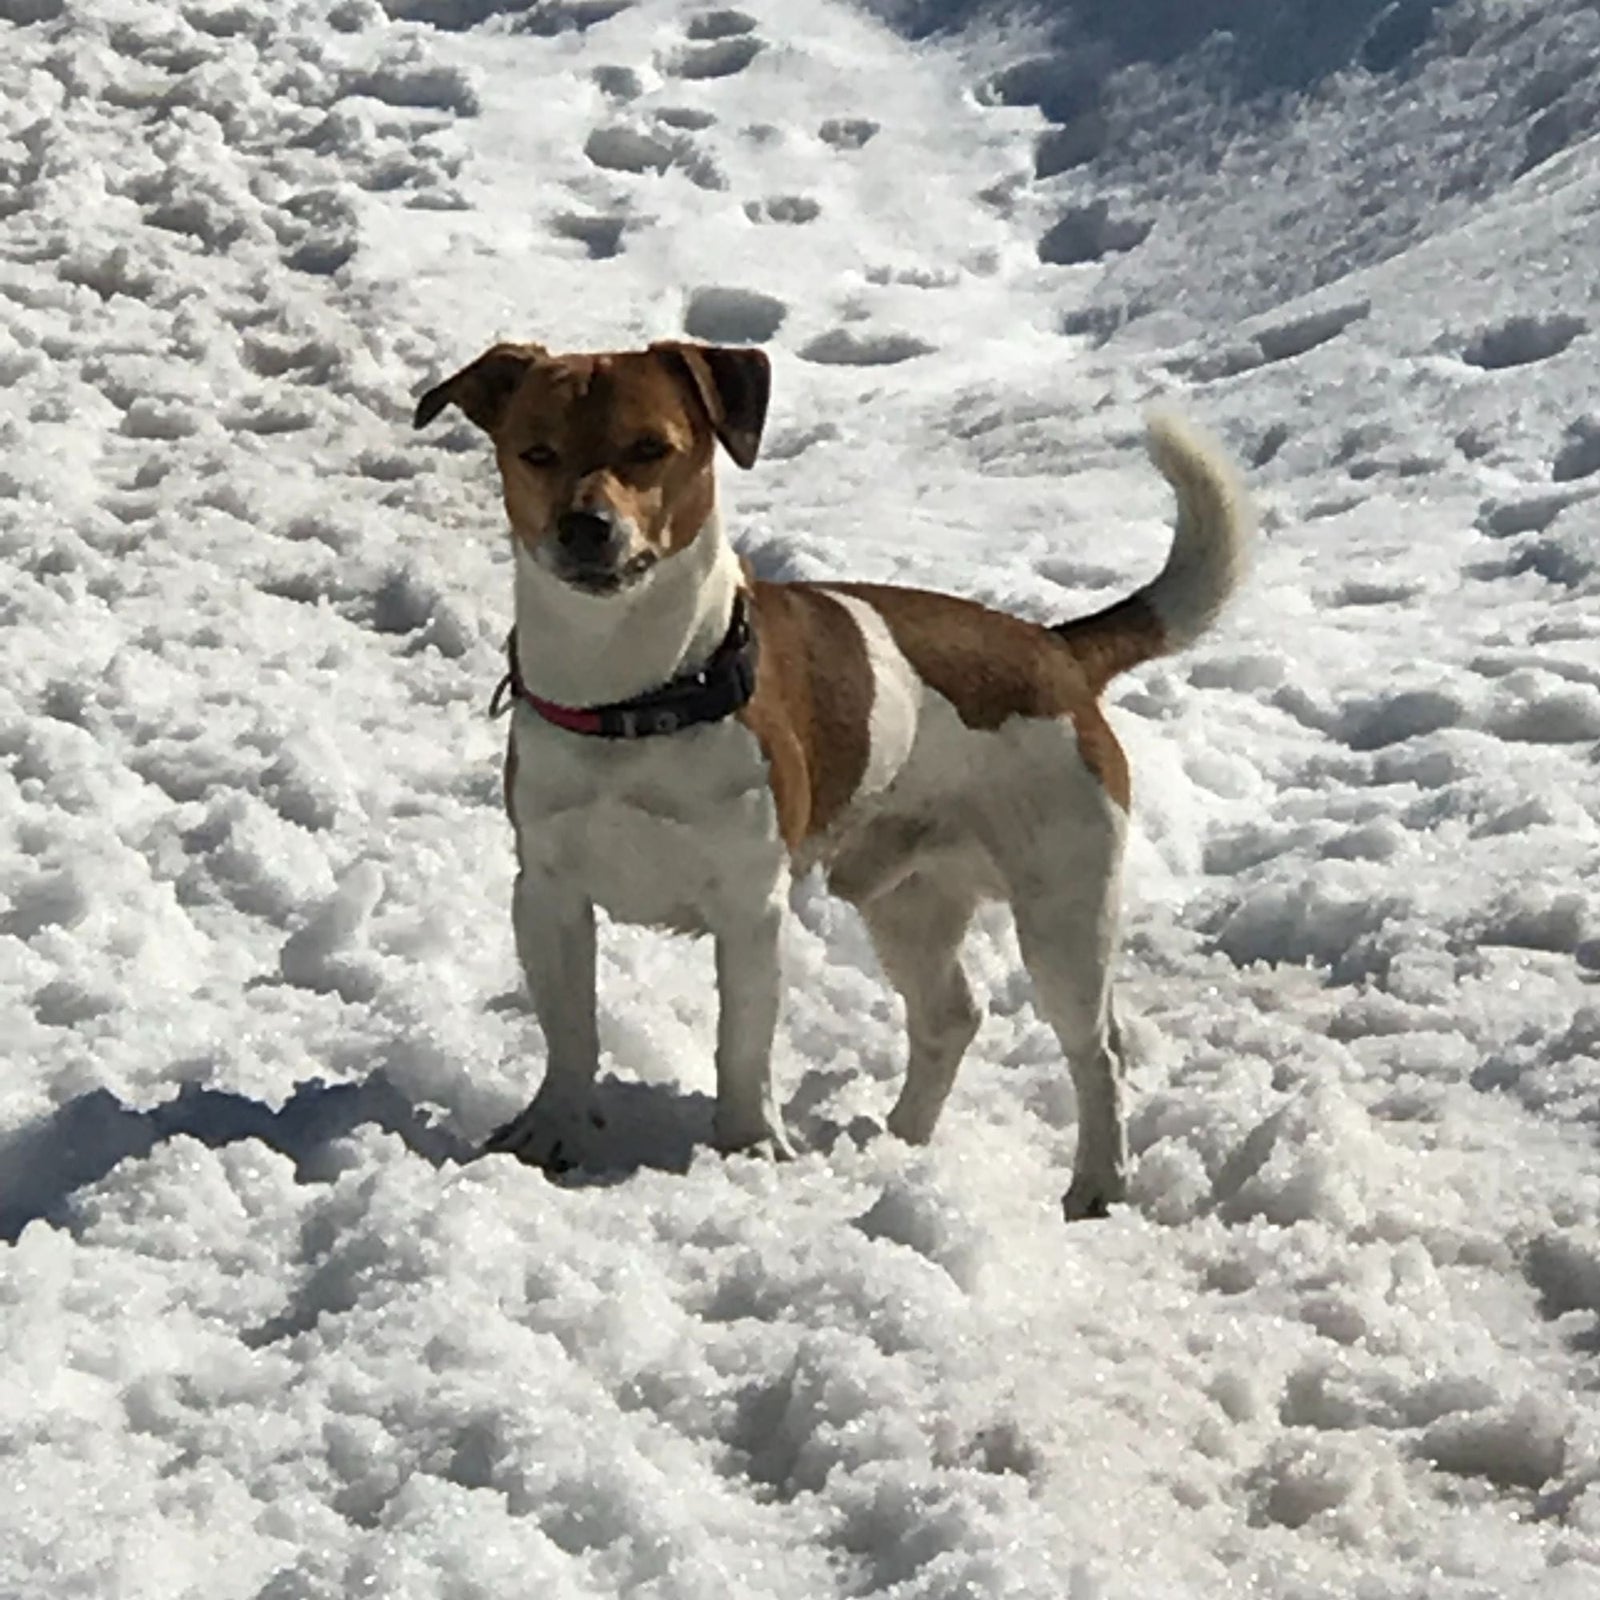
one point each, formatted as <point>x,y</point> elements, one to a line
<point>266,1336</point>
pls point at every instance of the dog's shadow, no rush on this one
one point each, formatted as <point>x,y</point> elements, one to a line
<point>647,1126</point>
<point>43,1166</point>
<point>650,1126</point>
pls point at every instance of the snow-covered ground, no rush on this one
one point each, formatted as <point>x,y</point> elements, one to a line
<point>266,1333</point>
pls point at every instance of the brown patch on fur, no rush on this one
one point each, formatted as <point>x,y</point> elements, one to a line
<point>1113,640</point>
<point>812,706</point>
<point>1102,752</point>
<point>734,385</point>
<point>624,438</point>
<point>628,432</point>
<point>992,667</point>
<point>989,666</point>
<point>483,388</point>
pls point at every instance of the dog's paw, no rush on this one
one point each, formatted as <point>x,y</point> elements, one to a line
<point>765,1139</point>
<point>553,1138</point>
<point>912,1122</point>
<point>1091,1195</point>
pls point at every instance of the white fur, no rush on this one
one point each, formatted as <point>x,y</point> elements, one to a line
<point>897,693</point>
<point>1211,542</point>
<point>582,649</point>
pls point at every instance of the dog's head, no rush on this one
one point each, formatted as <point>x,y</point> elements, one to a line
<point>606,460</point>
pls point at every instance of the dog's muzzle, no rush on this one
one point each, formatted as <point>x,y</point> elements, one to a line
<point>591,549</point>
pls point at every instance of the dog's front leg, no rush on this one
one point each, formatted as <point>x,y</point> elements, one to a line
<point>748,984</point>
<point>554,926</point>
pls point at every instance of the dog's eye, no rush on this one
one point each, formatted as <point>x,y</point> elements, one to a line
<point>540,455</point>
<point>651,447</point>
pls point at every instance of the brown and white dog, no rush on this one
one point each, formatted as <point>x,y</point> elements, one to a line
<point>926,752</point>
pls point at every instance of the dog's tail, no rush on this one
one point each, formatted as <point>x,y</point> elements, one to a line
<point>1205,565</point>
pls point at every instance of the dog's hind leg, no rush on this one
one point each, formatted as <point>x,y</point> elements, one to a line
<point>1068,938</point>
<point>917,928</point>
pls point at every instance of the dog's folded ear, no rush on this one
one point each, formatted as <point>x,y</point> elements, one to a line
<point>733,384</point>
<point>482,389</point>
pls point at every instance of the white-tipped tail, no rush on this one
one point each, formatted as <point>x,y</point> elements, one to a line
<point>1209,550</point>
<point>1211,544</point>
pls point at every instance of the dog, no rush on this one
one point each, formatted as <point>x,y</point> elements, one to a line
<point>686,740</point>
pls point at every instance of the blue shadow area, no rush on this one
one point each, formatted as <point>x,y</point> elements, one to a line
<point>42,1167</point>
<point>1261,46</point>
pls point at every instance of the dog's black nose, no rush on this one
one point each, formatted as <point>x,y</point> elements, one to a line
<point>587,537</point>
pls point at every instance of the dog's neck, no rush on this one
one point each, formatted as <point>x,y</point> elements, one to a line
<point>588,650</point>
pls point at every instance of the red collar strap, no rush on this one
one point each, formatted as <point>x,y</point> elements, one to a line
<point>721,687</point>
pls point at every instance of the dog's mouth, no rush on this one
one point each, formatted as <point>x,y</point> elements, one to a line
<point>606,579</point>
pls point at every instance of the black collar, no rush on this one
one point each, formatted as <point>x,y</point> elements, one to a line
<point>717,690</point>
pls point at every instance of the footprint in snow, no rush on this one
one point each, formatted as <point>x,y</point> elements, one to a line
<point>719,25</point>
<point>151,418</point>
<point>844,347</point>
<point>1295,336</point>
<point>318,231</point>
<point>1389,719</point>
<point>1069,92</point>
<point>313,361</point>
<point>1071,573</point>
<point>1090,233</point>
<point>1579,456</point>
<point>1248,672</point>
<point>618,83</point>
<point>618,147</point>
<point>227,22</point>
<point>789,209</point>
<point>1359,592</point>
<point>1077,144</point>
<point>918,277</point>
<point>689,118</point>
<point>1550,557</point>
<point>733,316</point>
<point>847,133</point>
<point>1061,87</point>
<point>1534,513</point>
<point>599,234</point>
<point>1521,341</point>
<point>1270,443</point>
<point>1278,341</point>
<point>551,17</point>
<point>1534,712</point>
<point>722,58</point>
<point>59,899</point>
<point>721,44</point>
<point>269,418</point>
<point>414,85</point>
<point>206,220</point>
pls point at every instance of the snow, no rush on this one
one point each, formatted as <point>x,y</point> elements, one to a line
<point>269,1332</point>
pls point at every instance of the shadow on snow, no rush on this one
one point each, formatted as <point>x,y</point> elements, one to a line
<point>42,1167</point>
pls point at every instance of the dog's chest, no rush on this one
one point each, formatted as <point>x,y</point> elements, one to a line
<point>678,831</point>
